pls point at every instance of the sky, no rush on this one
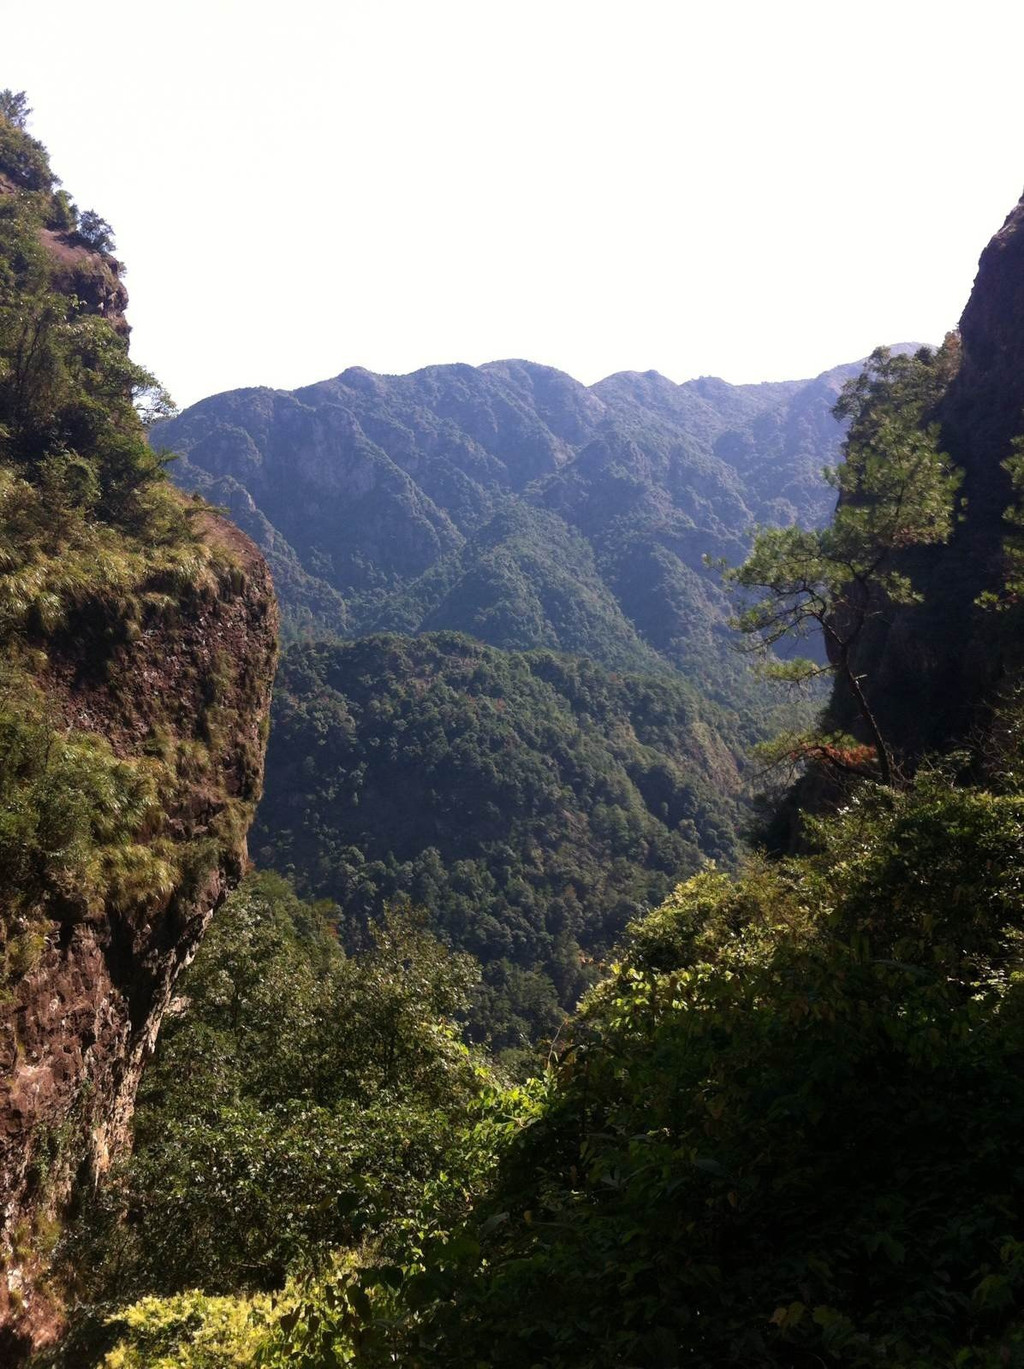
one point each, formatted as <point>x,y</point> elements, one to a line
<point>752,190</point>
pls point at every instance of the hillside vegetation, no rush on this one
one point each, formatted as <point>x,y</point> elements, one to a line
<point>783,1127</point>
<point>531,803</point>
<point>300,1098</point>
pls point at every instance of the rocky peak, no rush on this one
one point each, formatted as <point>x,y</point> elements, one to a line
<point>937,667</point>
<point>984,409</point>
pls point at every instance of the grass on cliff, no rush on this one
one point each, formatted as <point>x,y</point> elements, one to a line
<point>78,826</point>
<point>96,547</point>
<point>84,830</point>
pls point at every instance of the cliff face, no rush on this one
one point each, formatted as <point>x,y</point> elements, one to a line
<point>984,409</point>
<point>934,669</point>
<point>77,1028</point>
<point>138,639</point>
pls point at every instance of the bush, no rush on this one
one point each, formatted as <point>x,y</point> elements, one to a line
<point>785,1130</point>
<point>299,1100</point>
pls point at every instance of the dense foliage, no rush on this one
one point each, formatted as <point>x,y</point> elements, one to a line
<point>786,1127</point>
<point>299,1099</point>
<point>532,803</point>
<point>784,1130</point>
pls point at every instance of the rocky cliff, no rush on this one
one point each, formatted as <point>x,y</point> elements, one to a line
<point>936,669</point>
<point>188,696</point>
<point>138,638</point>
<point>984,409</point>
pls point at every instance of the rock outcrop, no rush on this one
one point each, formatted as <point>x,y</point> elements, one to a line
<point>80,271</point>
<point>936,669</point>
<point>138,640</point>
<point>984,409</point>
<point>76,1030</point>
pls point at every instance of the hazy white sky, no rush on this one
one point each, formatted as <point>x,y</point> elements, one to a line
<point>752,190</point>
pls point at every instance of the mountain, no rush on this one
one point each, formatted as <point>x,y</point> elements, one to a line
<point>513,503</point>
<point>942,667</point>
<point>532,803</point>
<point>138,642</point>
<point>784,1129</point>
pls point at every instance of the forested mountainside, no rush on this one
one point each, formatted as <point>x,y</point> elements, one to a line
<point>138,640</point>
<point>783,1129</point>
<point>532,803</point>
<point>513,503</point>
<point>783,1125</point>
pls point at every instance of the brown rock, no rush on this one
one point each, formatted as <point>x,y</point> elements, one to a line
<point>77,1030</point>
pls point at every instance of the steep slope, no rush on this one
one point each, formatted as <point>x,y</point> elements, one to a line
<point>786,1127</point>
<point>138,641</point>
<point>526,580</point>
<point>937,668</point>
<point>387,501</point>
<point>531,803</point>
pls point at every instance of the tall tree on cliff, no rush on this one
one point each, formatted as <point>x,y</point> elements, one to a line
<point>897,490</point>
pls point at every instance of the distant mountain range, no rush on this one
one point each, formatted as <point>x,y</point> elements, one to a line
<point>532,802</point>
<point>512,503</point>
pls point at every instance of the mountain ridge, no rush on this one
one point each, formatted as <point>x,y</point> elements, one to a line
<point>370,494</point>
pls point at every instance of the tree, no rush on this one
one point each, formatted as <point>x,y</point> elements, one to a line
<point>897,490</point>
<point>1010,592</point>
<point>95,232</point>
<point>14,107</point>
<point>300,1099</point>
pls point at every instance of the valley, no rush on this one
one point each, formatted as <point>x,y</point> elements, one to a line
<point>433,929</point>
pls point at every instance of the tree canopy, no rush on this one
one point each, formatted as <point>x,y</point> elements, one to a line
<point>531,803</point>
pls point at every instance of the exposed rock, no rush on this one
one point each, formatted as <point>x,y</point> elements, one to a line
<point>984,409</point>
<point>93,278</point>
<point>76,1031</point>
<point>934,669</point>
<point>90,276</point>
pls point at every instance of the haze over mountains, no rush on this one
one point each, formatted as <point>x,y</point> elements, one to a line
<point>510,502</point>
<point>531,807</point>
